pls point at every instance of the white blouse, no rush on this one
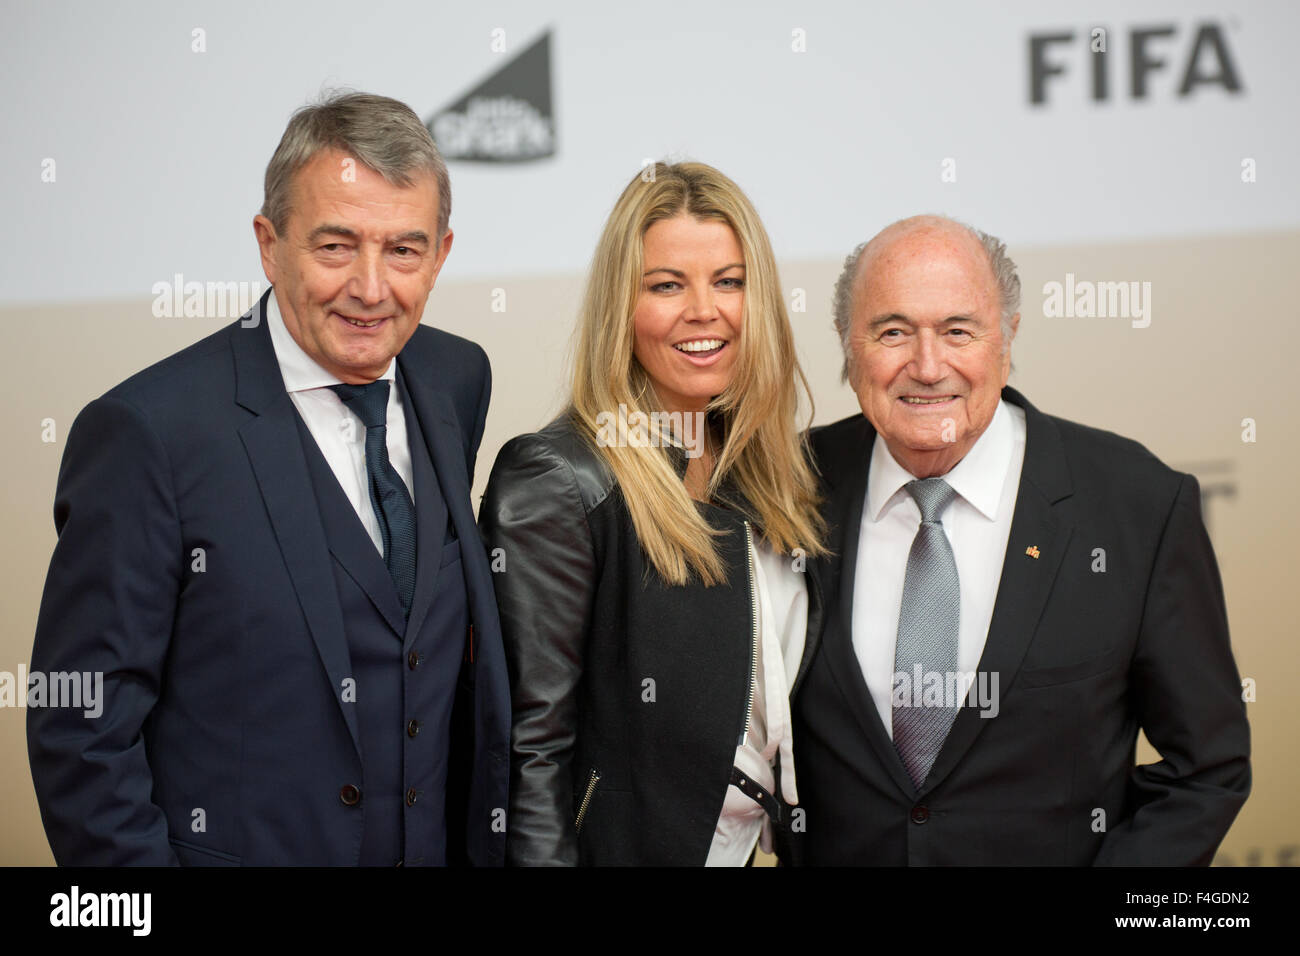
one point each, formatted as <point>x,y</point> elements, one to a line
<point>782,625</point>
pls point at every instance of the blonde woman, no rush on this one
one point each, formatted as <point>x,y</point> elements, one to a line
<point>652,602</point>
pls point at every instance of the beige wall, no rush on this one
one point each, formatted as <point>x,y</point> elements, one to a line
<point>1217,351</point>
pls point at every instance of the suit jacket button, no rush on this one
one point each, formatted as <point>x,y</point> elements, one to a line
<point>410,797</point>
<point>350,795</point>
<point>920,814</point>
<point>412,660</point>
<point>412,728</point>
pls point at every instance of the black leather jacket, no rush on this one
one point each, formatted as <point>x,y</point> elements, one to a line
<point>630,696</point>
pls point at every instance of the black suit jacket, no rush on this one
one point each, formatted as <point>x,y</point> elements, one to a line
<point>1084,657</point>
<point>194,572</point>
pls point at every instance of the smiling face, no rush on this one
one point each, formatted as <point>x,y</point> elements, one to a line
<point>355,263</point>
<point>928,359</point>
<point>688,313</point>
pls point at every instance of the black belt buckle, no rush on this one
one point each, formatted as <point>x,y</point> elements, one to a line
<point>759,794</point>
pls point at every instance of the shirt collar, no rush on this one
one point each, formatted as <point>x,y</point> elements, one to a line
<point>978,477</point>
<point>300,371</point>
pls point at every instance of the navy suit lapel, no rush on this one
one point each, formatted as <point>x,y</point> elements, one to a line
<point>1035,548</point>
<point>847,475</point>
<point>430,504</point>
<point>280,467</point>
<point>442,435</point>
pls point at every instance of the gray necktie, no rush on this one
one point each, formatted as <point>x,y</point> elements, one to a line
<point>927,632</point>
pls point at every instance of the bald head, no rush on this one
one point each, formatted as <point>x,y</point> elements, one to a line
<point>921,236</point>
<point>931,237</point>
<point>926,312</point>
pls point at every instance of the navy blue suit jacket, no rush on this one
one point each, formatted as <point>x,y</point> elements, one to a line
<point>223,668</point>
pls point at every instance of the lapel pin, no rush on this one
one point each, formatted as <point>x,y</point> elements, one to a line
<point>1032,551</point>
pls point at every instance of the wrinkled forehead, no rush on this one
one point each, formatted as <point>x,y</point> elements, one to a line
<point>924,238</point>
<point>914,257</point>
<point>371,210</point>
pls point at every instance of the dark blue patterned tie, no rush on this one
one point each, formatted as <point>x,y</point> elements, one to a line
<point>392,502</point>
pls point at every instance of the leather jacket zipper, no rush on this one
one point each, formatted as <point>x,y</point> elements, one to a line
<point>586,799</point>
<point>753,617</point>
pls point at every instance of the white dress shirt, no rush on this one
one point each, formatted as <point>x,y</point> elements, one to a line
<point>782,628</point>
<point>337,429</point>
<point>977,522</point>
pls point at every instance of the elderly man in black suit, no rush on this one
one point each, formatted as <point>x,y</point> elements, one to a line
<point>1012,596</point>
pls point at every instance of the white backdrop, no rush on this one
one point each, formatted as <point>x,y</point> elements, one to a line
<point>160,150</point>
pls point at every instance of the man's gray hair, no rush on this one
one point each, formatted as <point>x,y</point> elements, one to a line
<point>1004,271</point>
<point>382,133</point>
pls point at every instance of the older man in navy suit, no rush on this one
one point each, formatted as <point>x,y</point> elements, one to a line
<point>267,548</point>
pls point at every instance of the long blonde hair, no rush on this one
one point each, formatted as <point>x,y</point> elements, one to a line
<point>763,452</point>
